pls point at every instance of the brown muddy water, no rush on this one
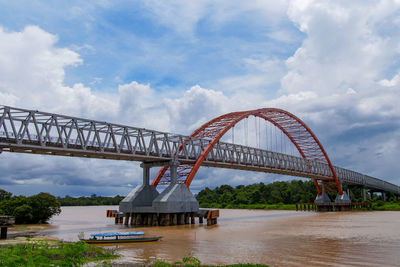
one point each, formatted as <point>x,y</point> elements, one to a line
<point>276,238</point>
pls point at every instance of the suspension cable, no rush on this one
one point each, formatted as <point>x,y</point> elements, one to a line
<point>246,129</point>
<point>233,134</point>
<point>266,134</point>
<point>255,122</point>
<point>259,132</point>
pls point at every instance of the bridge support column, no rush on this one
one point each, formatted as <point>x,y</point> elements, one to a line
<point>364,194</point>
<point>181,218</point>
<point>383,196</point>
<point>141,198</point>
<point>127,215</point>
<point>192,221</point>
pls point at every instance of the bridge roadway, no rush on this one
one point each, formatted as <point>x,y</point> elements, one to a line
<point>29,131</point>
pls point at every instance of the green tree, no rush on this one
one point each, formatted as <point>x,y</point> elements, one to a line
<point>274,193</point>
<point>4,195</point>
<point>9,205</point>
<point>23,214</point>
<point>43,206</point>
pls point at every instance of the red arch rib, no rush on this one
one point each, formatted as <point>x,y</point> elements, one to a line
<point>295,129</point>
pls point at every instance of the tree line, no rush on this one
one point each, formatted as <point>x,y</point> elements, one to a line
<point>34,209</point>
<point>226,196</point>
<point>93,200</point>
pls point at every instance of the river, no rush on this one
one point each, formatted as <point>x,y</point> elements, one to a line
<point>276,238</point>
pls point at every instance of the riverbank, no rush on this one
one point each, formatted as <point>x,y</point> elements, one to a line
<point>377,205</point>
<point>250,206</point>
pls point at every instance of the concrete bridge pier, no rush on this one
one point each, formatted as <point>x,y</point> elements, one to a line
<point>176,198</point>
<point>343,198</point>
<point>371,193</point>
<point>141,198</point>
<point>340,199</point>
<point>145,206</point>
<point>364,194</point>
<point>323,198</point>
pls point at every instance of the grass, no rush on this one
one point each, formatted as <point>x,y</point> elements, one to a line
<point>53,253</point>
<point>386,206</point>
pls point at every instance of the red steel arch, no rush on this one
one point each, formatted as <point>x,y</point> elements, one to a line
<point>295,129</point>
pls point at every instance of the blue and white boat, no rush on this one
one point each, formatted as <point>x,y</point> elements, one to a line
<point>119,237</point>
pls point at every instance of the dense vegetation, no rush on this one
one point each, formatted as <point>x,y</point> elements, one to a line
<point>386,205</point>
<point>93,200</point>
<point>279,195</point>
<point>34,209</point>
<point>260,195</point>
<point>52,254</point>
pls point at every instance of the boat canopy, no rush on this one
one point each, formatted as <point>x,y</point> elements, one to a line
<point>111,234</point>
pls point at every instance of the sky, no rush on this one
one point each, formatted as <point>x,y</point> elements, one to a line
<point>174,65</point>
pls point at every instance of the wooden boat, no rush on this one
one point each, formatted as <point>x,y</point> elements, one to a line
<point>119,238</point>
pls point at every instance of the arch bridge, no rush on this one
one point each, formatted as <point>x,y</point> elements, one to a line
<point>35,132</point>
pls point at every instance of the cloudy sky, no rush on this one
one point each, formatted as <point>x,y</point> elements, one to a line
<point>173,65</point>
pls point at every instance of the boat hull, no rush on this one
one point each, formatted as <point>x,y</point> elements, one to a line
<point>121,241</point>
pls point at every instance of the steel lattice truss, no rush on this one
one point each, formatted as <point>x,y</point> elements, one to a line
<point>28,131</point>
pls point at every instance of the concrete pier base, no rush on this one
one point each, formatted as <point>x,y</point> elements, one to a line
<point>168,219</point>
<point>192,220</point>
<point>174,199</point>
<point>323,198</point>
<point>344,198</point>
<point>181,218</point>
<point>176,205</point>
<point>324,207</point>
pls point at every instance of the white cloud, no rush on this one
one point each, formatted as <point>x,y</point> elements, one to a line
<point>392,82</point>
<point>343,48</point>
<point>337,79</point>
<point>195,107</point>
<point>183,16</point>
<point>32,73</point>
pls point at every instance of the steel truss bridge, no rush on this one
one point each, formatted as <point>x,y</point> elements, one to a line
<point>35,132</point>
